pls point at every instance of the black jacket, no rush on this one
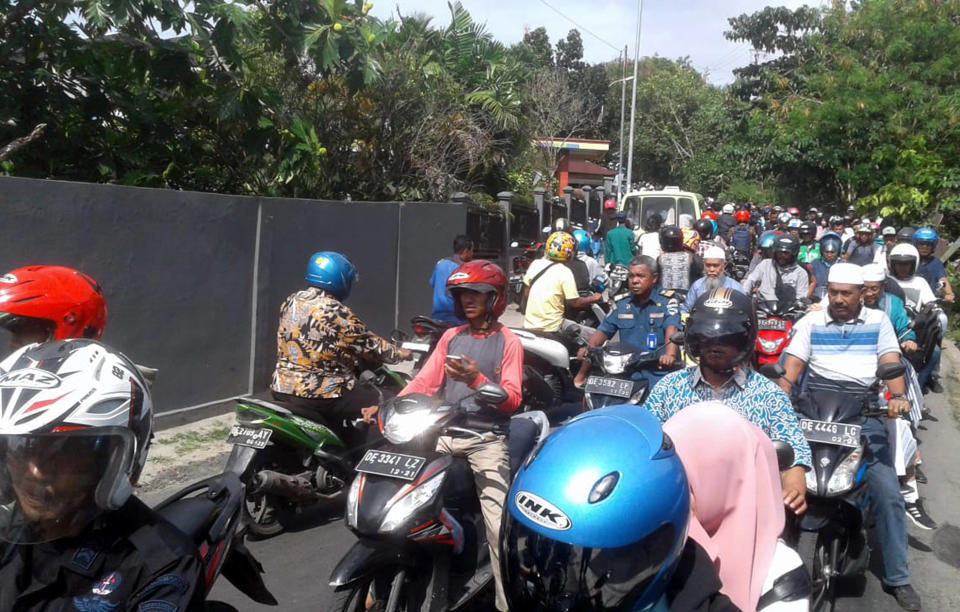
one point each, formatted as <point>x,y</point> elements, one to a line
<point>695,585</point>
<point>132,560</point>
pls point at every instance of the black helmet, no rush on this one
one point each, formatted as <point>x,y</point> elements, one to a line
<point>787,244</point>
<point>722,313</point>
<point>808,229</point>
<point>905,235</point>
<point>704,227</point>
<point>671,239</point>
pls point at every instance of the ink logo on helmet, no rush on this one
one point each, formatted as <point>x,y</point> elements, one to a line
<point>8,279</point>
<point>30,378</point>
<point>541,512</point>
<point>458,276</point>
<point>108,585</point>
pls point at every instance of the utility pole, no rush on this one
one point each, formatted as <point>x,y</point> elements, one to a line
<point>623,105</point>
<point>633,101</point>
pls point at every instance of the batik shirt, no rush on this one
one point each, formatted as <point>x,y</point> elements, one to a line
<point>753,396</point>
<point>319,345</point>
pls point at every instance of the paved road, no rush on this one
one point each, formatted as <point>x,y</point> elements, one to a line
<point>298,563</point>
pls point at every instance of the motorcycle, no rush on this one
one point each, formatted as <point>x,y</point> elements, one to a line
<point>426,334</point>
<point>925,323</point>
<point>831,536</point>
<point>773,329</point>
<point>294,460</point>
<point>739,264</point>
<point>422,539</point>
<point>210,512</point>
<point>617,362</point>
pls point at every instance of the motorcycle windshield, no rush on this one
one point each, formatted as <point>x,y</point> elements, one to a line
<point>541,573</point>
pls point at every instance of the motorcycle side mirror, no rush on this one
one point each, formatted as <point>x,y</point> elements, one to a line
<point>773,371</point>
<point>398,336</point>
<point>491,393</point>
<point>514,244</point>
<point>889,371</point>
<point>678,338</point>
<point>785,454</point>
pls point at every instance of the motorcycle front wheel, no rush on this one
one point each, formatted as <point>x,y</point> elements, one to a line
<point>388,591</point>
<point>815,553</point>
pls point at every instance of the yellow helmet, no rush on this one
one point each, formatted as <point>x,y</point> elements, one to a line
<point>560,246</point>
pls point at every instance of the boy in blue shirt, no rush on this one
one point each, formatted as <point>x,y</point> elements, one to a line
<point>443,303</point>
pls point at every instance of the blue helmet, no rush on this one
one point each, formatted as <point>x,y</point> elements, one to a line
<point>830,242</point>
<point>583,240</point>
<point>332,272</point>
<point>597,517</point>
<point>925,234</point>
<point>767,239</point>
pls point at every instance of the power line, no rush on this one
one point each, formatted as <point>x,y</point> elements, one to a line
<point>558,12</point>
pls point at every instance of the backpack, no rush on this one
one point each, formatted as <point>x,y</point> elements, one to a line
<point>740,239</point>
<point>675,271</point>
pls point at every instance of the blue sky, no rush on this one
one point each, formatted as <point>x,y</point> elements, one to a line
<point>671,28</point>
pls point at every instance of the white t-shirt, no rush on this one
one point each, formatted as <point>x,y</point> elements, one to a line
<point>649,244</point>
<point>917,291</point>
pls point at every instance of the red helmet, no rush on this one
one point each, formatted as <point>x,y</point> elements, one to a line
<point>69,302</point>
<point>709,214</point>
<point>483,276</point>
<point>609,203</point>
<point>742,216</point>
<point>793,210</point>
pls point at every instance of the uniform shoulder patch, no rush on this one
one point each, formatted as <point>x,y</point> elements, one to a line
<point>157,605</point>
<point>94,604</point>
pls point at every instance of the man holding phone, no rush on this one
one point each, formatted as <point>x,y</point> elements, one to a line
<point>467,356</point>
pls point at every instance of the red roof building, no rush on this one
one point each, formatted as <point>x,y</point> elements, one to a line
<point>577,161</point>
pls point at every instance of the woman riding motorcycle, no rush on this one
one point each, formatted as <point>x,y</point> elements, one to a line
<point>738,513</point>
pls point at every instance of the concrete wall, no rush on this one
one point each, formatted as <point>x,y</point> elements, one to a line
<point>194,281</point>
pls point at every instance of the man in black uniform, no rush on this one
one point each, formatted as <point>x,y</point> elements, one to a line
<point>74,536</point>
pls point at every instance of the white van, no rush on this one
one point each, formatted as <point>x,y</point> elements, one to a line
<point>674,207</point>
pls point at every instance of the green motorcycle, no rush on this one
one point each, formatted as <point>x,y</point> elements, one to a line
<point>288,461</point>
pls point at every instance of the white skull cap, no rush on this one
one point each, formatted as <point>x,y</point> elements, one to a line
<point>715,252</point>
<point>845,274</point>
<point>873,273</point>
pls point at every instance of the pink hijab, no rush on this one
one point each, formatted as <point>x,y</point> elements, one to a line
<point>738,513</point>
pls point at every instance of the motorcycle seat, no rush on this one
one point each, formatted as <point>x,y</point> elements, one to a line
<point>265,404</point>
<point>427,321</point>
<point>193,516</point>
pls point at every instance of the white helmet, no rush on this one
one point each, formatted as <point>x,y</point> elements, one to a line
<point>729,209</point>
<point>905,253</point>
<point>75,424</point>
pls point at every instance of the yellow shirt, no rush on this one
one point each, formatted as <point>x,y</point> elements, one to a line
<point>548,295</point>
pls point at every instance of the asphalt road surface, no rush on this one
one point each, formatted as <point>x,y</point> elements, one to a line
<point>298,563</point>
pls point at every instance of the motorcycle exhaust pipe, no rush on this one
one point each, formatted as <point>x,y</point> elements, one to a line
<point>294,488</point>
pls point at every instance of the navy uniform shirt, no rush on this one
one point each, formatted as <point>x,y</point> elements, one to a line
<point>635,321</point>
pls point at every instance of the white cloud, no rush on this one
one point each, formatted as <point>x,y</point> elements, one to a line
<point>671,28</point>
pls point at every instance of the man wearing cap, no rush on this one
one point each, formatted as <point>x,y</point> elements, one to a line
<point>889,235</point>
<point>861,251</point>
<point>841,347</point>
<point>620,246</point>
<point>714,277</point>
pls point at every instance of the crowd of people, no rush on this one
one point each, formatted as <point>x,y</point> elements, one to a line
<point>68,508</point>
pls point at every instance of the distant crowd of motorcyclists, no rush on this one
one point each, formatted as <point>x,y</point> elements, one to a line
<point>674,498</point>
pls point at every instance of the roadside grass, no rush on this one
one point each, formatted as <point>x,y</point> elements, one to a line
<point>190,441</point>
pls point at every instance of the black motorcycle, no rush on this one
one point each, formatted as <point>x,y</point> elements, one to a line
<point>831,535</point>
<point>617,363</point>
<point>422,539</point>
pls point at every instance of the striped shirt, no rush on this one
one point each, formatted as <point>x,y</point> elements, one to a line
<point>844,350</point>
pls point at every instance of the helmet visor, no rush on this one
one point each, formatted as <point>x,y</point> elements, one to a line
<point>53,485</point>
<point>543,574</point>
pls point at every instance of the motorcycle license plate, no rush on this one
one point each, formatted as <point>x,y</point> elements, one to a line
<point>394,465</point>
<point>254,437</point>
<point>839,434</point>
<point>609,386</point>
<point>416,347</point>
<point>772,324</point>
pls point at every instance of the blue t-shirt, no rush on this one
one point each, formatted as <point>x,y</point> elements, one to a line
<point>932,271</point>
<point>443,303</point>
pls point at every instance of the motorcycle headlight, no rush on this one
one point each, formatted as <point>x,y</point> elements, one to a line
<point>411,502</point>
<point>842,478</point>
<point>615,364</point>
<point>401,427</point>
<point>353,500</point>
<point>770,346</point>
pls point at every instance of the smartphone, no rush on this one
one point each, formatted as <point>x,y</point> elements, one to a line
<point>455,359</point>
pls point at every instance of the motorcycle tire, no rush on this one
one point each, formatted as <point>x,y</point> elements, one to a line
<point>813,552</point>
<point>262,512</point>
<point>395,599</point>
